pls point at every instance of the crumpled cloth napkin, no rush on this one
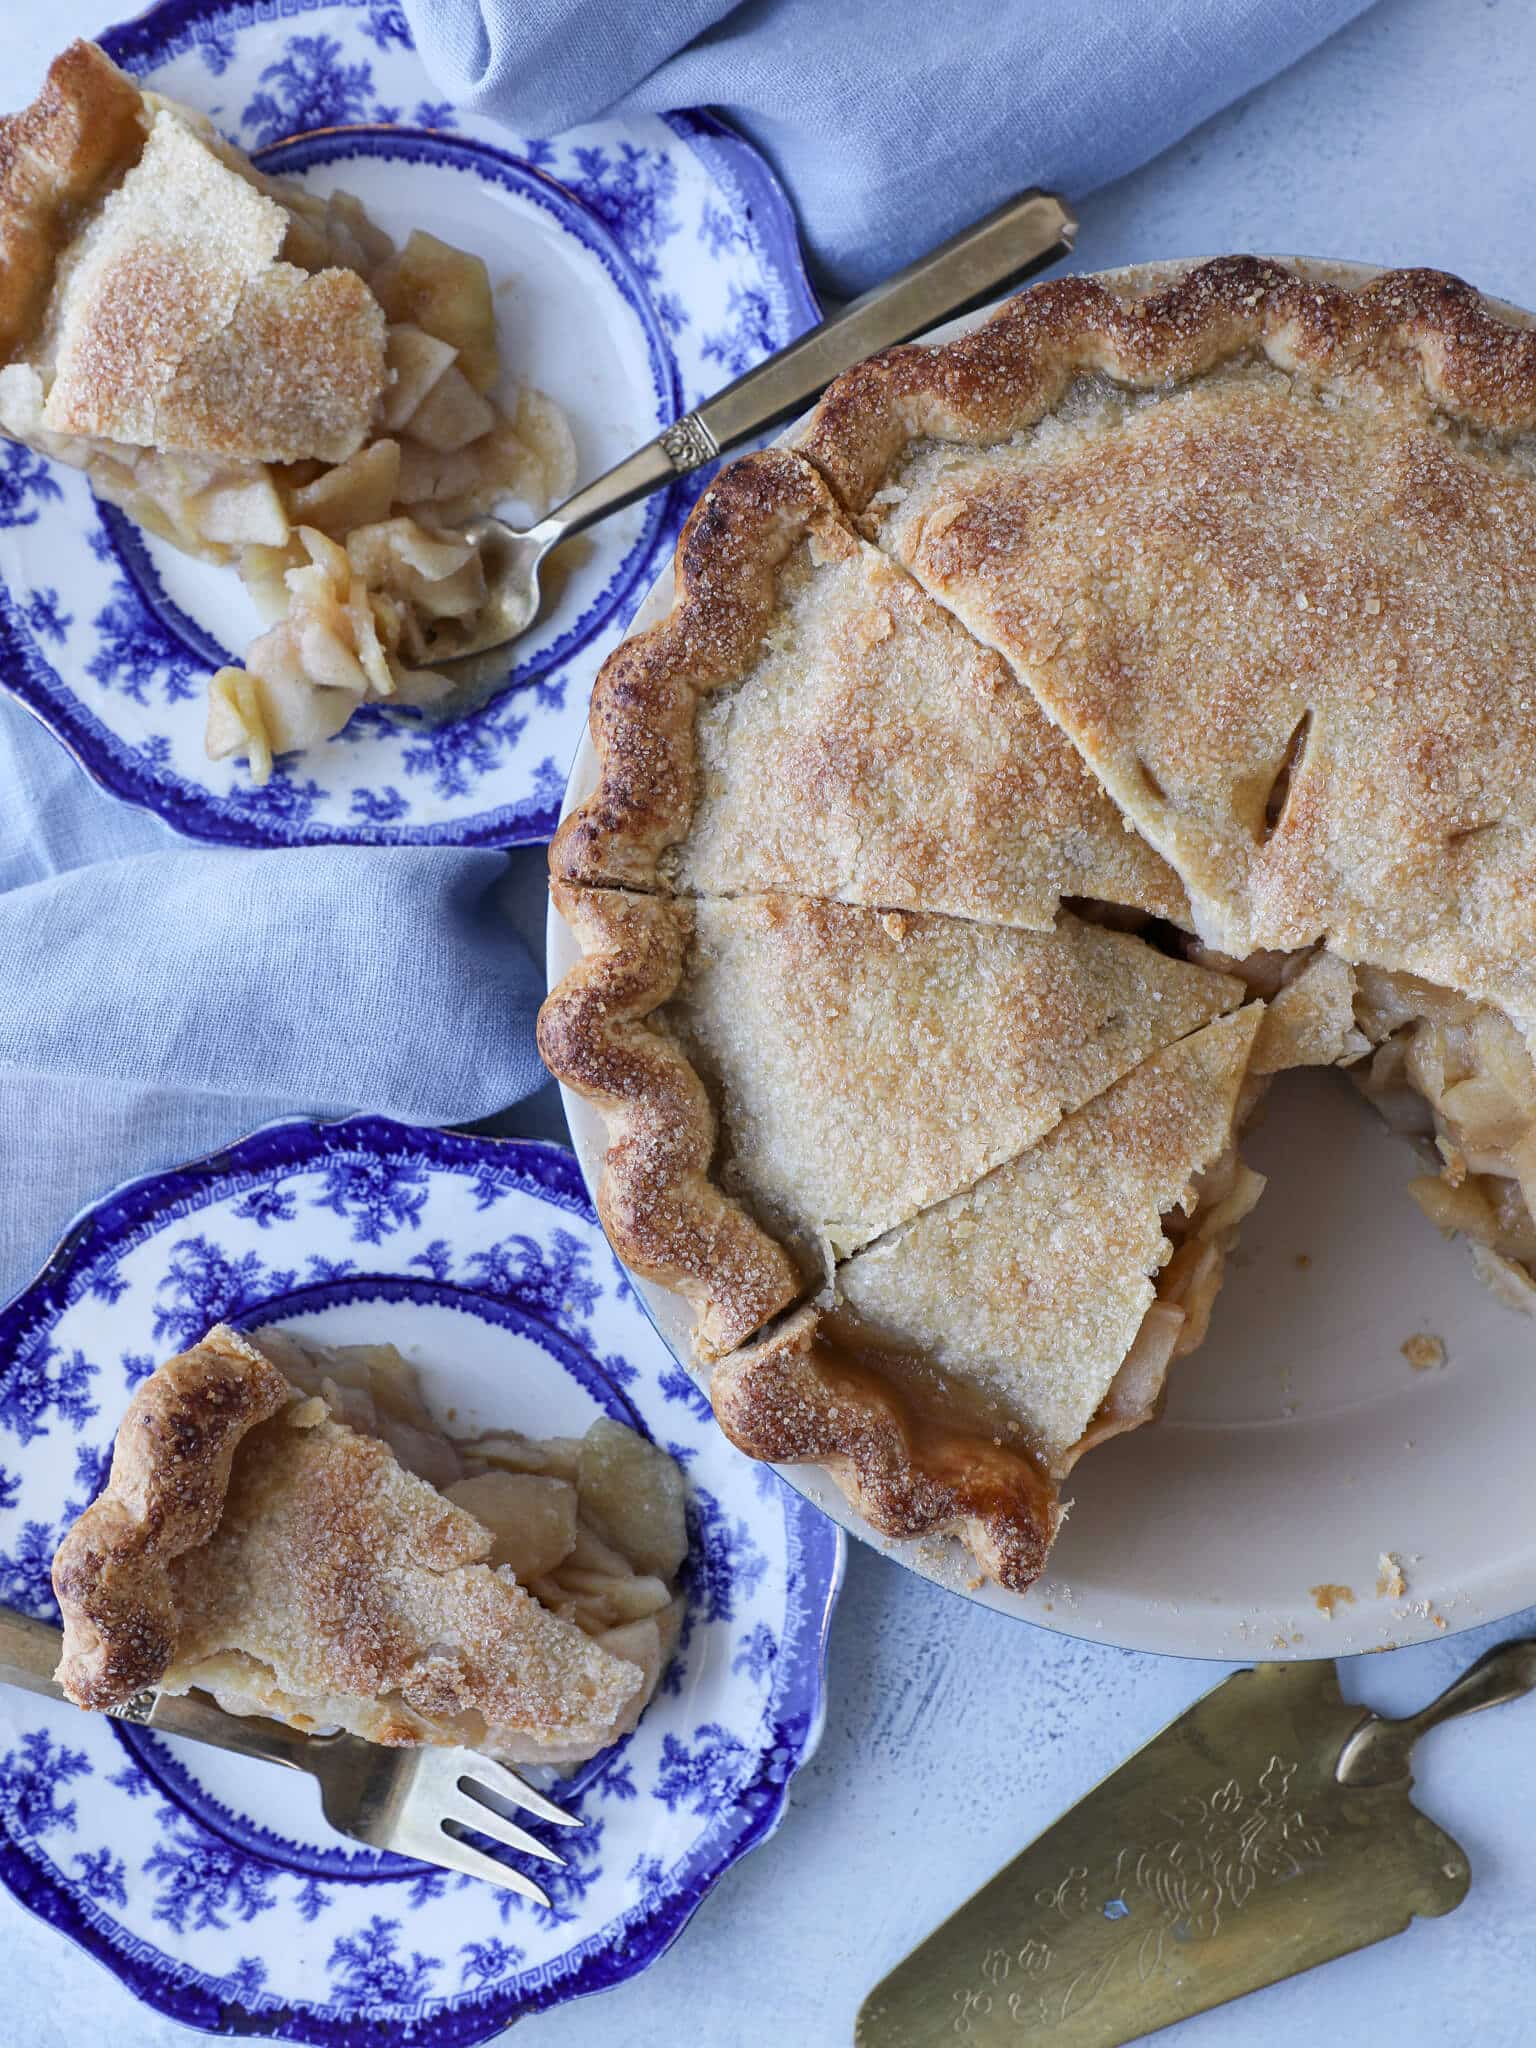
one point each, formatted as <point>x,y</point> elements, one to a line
<point>893,122</point>
<point>158,999</point>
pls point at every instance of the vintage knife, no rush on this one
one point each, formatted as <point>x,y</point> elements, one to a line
<point>1266,1830</point>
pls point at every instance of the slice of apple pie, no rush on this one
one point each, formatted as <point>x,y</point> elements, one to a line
<point>261,377</point>
<point>286,1528</point>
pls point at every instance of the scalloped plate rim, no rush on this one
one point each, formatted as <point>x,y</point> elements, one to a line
<point>203,816</point>
<point>467,2019</point>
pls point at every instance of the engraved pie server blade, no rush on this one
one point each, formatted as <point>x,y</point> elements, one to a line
<point>1011,244</point>
<point>1266,1830</point>
<point>418,1802</point>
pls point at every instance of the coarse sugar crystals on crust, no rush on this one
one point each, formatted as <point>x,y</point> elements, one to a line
<point>395,1604</point>
<point>783,1068</point>
<point>1024,1294</point>
<point>57,158</point>
<point>976,1352</point>
<point>806,719</point>
<point>870,1063</point>
<point>176,326</point>
<point>261,1538</point>
<point>598,1031</point>
<point>1263,548</point>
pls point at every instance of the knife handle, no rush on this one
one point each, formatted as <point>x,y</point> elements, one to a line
<point>1378,1752</point>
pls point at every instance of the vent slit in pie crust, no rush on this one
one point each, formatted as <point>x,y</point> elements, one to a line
<point>1135,629</point>
<point>1204,523</point>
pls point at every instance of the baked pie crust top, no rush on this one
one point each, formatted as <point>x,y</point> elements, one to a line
<point>1256,553</point>
<point>1264,550</point>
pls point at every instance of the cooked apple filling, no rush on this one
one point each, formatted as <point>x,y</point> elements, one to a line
<point>261,377</point>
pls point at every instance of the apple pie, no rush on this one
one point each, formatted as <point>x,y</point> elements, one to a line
<point>260,377</point>
<point>508,1594</point>
<point>1083,722</point>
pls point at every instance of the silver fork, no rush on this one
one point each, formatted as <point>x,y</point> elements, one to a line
<point>1009,245</point>
<point>416,1802</point>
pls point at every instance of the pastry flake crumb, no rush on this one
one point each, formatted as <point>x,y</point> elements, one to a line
<point>1390,1582</point>
<point>1327,1599</point>
<point>1424,1352</point>
<point>1423,1610</point>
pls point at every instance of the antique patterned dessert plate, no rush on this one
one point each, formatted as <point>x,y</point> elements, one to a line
<point>210,1885</point>
<point>635,265</point>
<point>1339,1466</point>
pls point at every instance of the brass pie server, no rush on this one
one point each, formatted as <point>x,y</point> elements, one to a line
<point>1266,1830</point>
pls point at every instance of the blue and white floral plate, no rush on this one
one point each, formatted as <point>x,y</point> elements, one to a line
<point>210,1885</point>
<point>645,262</point>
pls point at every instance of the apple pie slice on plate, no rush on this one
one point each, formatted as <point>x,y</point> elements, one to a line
<point>260,377</point>
<point>285,1528</point>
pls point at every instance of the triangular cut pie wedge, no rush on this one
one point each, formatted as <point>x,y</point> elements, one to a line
<point>263,1538</point>
<point>806,718</point>
<point>779,1071</point>
<point>1263,548</point>
<point>974,1354</point>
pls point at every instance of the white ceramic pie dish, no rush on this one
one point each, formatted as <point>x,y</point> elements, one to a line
<point>1300,1450</point>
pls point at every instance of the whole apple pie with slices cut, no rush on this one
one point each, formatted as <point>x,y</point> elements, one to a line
<point>286,1528</point>
<point>261,377</point>
<point>1082,722</point>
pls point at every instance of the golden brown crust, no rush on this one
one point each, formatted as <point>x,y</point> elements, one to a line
<point>1162,566</point>
<point>1014,1304</point>
<point>973,1355</point>
<point>645,701</point>
<point>296,374</point>
<point>170,1474</point>
<point>57,157</point>
<point>807,719</point>
<point>810,1019</point>
<point>795,1397</point>
<point>1260,547</point>
<point>251,1545</point>
<point>174,323</point>
<point>766,1045</point>
<point>395,1621</point>
<point>1421,328</point>
<point>665,1216</point>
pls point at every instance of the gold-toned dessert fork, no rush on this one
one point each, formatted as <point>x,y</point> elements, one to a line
<point>1009,245</point>
<point>416,1802</point>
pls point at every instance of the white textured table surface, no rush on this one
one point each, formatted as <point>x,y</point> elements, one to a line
<point>953,1735</point>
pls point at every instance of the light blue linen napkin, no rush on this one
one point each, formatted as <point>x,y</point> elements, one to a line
<point>893,122</point>
<point>158,999</point>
